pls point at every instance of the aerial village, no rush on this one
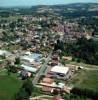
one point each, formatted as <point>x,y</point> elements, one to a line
<point>31,54</point>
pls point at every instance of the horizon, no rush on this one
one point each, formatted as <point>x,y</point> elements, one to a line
<point>29,3</point>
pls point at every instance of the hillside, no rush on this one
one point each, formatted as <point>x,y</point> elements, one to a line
<point>72,10</point>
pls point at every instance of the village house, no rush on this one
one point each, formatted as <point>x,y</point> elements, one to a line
<point>67,58</point>
<point>57,97</point>
<point>55,60</point>
<point>5,53</point>
<point>47,90</point>
<point>47,80</point>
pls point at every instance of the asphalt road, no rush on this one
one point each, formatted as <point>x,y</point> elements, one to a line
<point>42,69</point>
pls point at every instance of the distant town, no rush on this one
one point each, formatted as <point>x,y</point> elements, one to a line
<point>46,54</point>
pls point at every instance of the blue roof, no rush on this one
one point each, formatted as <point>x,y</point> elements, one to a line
<point>35,56</point>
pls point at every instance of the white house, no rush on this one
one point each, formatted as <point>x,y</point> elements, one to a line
<point>4,52</point>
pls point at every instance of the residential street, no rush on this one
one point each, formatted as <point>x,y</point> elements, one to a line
<point>42,69</point>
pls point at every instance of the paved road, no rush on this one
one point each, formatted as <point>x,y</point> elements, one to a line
<point>42,69</point>
<point>40,97</point>
<point>85,68</point>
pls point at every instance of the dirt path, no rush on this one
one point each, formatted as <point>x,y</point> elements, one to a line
<point>41,97</point>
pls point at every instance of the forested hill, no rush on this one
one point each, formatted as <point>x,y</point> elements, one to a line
<point>73,10</point>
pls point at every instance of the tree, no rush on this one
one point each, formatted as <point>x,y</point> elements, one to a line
<point>28,86</point>
<point>55,92</point>
<point>12,25</point>
<point>8,70</point>
<point>59,45</point>
<point>19,20</point>
<point>8,67</point>
<point>11,69</point>
<point>63,61</point>
<point>4,56</point>
<point>17,60</point>
<point>85,92</point>
<point>25,91</point>
<point>84,50</point>
<point>22,95</point>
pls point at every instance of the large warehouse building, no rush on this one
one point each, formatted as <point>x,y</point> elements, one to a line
<point>60,71</point>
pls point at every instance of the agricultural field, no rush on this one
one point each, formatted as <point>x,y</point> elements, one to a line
<point>10,18</point>
<point>9,86</point>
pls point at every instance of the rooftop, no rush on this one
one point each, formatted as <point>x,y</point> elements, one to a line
<point>47,80</point>
<point>31,57</point>
<point>28,68</point>
<point>2,52</point>
<point>60,69</point>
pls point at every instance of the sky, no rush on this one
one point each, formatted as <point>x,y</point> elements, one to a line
<point>40,2</point>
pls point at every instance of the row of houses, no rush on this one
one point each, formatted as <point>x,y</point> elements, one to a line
<point>54,73</point>
<point>29,62</point>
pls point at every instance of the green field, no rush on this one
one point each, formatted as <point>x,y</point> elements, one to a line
<point>10,18</point>
<point>9,85</point>
<point>86,79</point>
<point>83,64</point>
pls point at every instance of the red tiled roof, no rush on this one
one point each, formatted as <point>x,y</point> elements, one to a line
<point>47,80</point>
<point>57,98</point>
<point>46,89</point>
<point>54,62</point>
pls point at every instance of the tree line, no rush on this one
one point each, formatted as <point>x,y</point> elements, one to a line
<point>83,50</point>
<point>85,93</point>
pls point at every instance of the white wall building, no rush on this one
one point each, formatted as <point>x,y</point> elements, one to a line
<point>29,68</point>
<point>60,71</point>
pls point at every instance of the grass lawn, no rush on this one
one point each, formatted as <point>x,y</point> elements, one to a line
<point>9,85</point>
<point>86,79</point>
